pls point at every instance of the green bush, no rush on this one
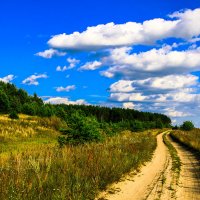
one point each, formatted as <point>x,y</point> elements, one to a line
<point>187,126</point>
<point>81,130</point>
<point>13,115</point>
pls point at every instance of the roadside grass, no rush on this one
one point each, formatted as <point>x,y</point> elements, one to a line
<point>176,162</point>
<point>32,166</point>
<point>188,138</point>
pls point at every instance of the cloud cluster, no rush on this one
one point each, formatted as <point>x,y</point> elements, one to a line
<point>8,78</point>
<point>170,82</point>
<point>49,53</point>
<point>112,35</point>
<point>65,89</point>
<point>33,79</point>
<point>72,62</point>
<point>173,95</point>
<point>154,62</point>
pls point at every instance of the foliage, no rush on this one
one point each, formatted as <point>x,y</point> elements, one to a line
<point>13,115</point>
<point>187,126</point>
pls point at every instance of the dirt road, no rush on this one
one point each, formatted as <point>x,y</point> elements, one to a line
<point>155,179</point>
<point>189,182</point>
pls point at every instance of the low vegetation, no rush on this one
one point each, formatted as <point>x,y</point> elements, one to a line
<point>33,166</point>
<point>176,162</point>
<point>188,138</point>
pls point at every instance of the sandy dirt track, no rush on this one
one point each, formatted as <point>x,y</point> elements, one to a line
<point>189,182</point>
<point>155,179</point>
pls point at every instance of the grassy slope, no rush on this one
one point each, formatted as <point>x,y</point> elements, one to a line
<point>32,166</point>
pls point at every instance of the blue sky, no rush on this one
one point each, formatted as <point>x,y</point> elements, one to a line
<point>142,54</point>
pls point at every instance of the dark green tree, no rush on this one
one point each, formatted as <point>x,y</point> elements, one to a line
<point>187,126</point>
<point>4,102</point>
<point>159,124</point>
<point>15,104</point>
<point>23,96</point>
<point>29,109</point>
<point>81,130</point>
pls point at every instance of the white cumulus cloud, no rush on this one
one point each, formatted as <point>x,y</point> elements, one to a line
<point>122,86</point>
<point>65,89</point>
<point>131,33</point>
<point>61,100</point>
<point>128,105</point>
<point>49,53</point>
<point>91,66</point>
<point>128,97</point>
<point>8,78</point>
<point>33,79</point>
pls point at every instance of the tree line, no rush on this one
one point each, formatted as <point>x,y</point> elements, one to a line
<point>17,100</point>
